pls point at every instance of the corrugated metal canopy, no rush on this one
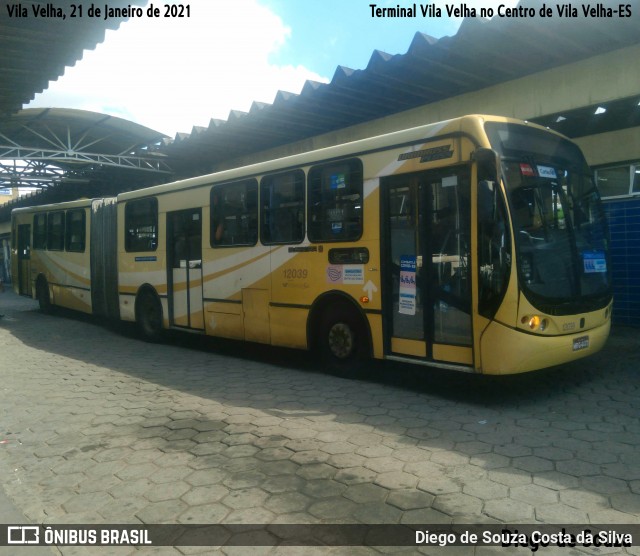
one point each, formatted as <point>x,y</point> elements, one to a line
<point>99,155</point>
<point>35,50</point>
<point>481,54</point>
<point>68,135</point>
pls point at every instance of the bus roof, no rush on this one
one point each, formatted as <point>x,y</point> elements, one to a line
<point>79,203</point>
<point>353,148</point>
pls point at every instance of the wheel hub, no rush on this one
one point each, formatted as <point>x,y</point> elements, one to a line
<point>341,340</point>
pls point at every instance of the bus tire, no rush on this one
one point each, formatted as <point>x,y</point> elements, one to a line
<point>343,341</point>
<point>43,295</point>
<point>149,316</point>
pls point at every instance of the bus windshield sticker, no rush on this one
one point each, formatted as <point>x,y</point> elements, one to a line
<point>527,170</point>
<point>407,304</point>
<point>547,172</point>
<point>594,262</point>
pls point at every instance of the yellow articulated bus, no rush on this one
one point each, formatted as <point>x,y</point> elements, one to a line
<point>476,244</point>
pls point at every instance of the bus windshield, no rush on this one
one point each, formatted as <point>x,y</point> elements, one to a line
<point>558,221</point>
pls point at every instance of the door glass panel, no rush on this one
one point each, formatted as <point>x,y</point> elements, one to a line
<point>406,259</point>
<point>186,239</point>
<point>450,243</point>
<point>24,258</point>
<point>185,251</point>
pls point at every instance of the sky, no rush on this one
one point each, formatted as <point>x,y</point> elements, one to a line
<point>172,74</point>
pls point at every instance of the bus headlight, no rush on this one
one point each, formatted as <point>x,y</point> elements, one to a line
<point>535,322</point>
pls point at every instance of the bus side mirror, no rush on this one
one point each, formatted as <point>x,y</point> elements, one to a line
<point>488,171</point>
<point>488,164</point>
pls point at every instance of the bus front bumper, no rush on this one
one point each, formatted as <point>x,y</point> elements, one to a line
<point>506,350</point>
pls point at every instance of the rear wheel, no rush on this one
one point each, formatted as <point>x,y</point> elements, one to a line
<point>149,316</point>
<point>343,341</point>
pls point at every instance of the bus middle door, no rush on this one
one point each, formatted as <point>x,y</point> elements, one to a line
<point>184,254</point>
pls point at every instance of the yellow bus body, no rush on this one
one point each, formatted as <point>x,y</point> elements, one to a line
<point>64,274</point>
<point>284,293</point>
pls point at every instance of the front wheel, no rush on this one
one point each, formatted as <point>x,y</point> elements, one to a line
<point>343,342</point>
<point>149,317</point>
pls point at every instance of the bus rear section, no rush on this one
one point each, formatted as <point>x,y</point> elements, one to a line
<point>65,255</point>
<point>52,254</point>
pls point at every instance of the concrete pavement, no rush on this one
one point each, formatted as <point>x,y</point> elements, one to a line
<point>99,427</point>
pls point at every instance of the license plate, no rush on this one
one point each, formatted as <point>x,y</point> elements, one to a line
<point>580,343</point>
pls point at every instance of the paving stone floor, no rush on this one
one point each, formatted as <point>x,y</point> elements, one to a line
<point>99,427</point>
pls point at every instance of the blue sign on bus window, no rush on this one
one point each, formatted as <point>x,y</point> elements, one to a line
<point>594,261</point>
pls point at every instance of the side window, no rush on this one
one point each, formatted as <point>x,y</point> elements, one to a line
<point>55,231</point>
<point>282,208</point>
<point>40,230</point>
<point>335,201</point>
<point>234,214</point>
<point>76,230</point>
<point>141,225</point>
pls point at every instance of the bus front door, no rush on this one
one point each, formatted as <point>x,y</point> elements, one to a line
<point>428,295</point>
<point>24,259</point>
<point>184,280</point>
